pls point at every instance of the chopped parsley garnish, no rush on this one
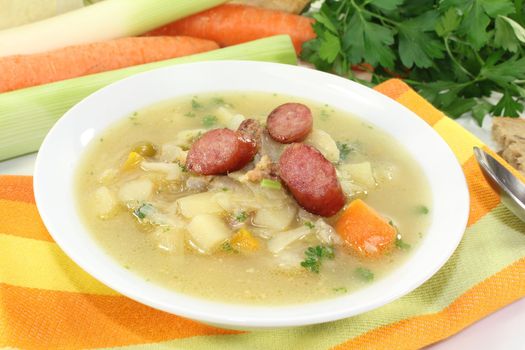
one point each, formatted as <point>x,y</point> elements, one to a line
<point>195,104</point>
<point>225,189</point>
<point>218,101</point>
<point>340,290</point>
<point>227,247</point>
<point>273,184</point>
<point>183,168</point>
<point>402,244</point>
<point>344,150</point>
<point>143,211</point>
<point>209,121</point>
<point>315,256</point>
<point>364,274</point>
<point>241,217</point>
<point>324,115</point>
<point>421,209</point>
<point>309,224</point>
<point>190,114</point>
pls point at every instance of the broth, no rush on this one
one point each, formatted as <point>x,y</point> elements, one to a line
<point>400,193</point>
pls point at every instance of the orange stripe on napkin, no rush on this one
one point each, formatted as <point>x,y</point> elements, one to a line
<point>22,219</point>
<point>478,302</point>
<point>393,88</point>
<point>402,93</point>
<point>41,319</point>
<point>482,197</point>
<point>17,188</point>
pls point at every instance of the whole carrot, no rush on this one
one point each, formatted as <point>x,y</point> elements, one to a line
<point>232,24</point>
<point>20,71</point>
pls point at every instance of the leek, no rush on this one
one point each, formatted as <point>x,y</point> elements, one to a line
<point>106,20</point>
<point>26,115</point>
<point>274,185</point>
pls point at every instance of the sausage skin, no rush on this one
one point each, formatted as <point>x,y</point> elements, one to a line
<point>290,122</point>
<point>311,179</point>
<point>220,151</point>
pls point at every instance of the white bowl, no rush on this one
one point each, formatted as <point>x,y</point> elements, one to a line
<point>64,146</point>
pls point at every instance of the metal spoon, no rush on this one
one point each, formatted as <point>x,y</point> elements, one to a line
<point>510,188</point>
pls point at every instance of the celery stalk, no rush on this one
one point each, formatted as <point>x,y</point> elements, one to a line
<point>106,20</point>
<point>26,115</point>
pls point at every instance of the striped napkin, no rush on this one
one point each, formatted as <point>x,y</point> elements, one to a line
<point>46,301</point>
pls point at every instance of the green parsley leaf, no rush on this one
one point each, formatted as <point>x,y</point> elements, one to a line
<point>508,106</point>
<point>369,42</point>
<point>402,244</point>
<point>495,8</point>
<point>315,256</point>
<point>418,46</point>
<point>329,47</point>
<point>364,274</point>
<point>218,101</point>
<point>421,209</point>
<point>448,23</point>
<point>480,110</point>
<point>241,217</point>
<point>340,290</point>
<point>344,150</point>
<point>309,224</point>
<point>455,53</point>
<point>227,247</point>
<point>144,210</point>
<point>209,120</point>
<point>386,5</point>
<point>195,104</point>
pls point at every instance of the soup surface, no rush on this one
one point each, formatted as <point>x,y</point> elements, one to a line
<point>242,237</point>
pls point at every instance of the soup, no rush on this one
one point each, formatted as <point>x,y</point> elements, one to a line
<point>252,198</point>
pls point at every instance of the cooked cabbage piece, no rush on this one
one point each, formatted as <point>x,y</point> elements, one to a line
<point>324,143</point>
<point>282,239</point>
<point>279,218</point>
<point>171,171</point>
<point>185,138</point>
<point>170,152</point>
<point>229,118</point>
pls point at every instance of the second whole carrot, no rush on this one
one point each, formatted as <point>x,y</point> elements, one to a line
<point>23,71</point>
<point>232,24</point>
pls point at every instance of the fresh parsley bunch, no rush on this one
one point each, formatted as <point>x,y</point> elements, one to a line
<point>456,53</point>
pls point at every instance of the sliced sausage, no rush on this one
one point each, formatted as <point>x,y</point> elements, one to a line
<point>251,129</point>
<point>219,151</point>
<point>250,132</point>
<point>311,179</point>
<point>290,122</point>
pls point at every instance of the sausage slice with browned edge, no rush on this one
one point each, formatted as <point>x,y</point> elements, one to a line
<point>250,132</point>
<point>311,179</point>
<point>290,122</point>
<point>220,151</point>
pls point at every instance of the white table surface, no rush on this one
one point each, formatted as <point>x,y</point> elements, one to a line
<point>504,329</point>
